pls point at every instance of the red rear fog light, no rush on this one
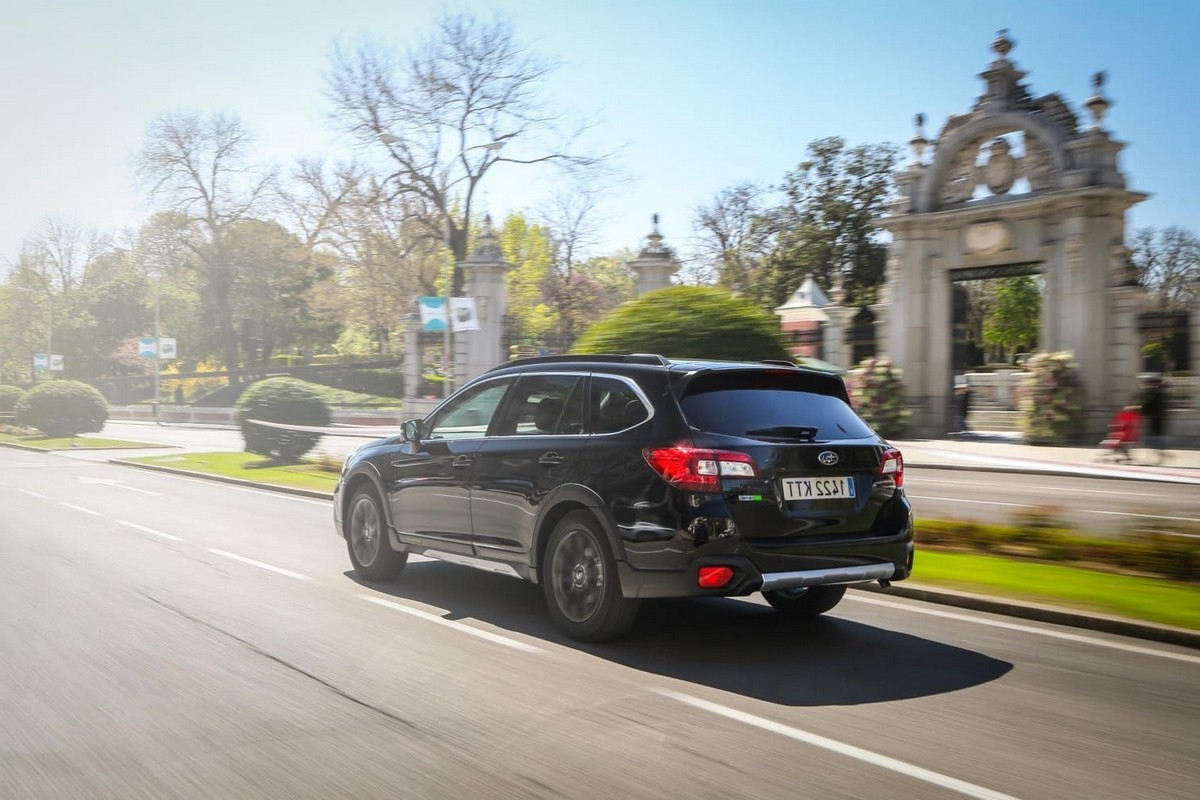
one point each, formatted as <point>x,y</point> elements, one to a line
<point>714,577</point>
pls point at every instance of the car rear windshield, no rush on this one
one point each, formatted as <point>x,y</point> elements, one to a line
<point>773,407</point>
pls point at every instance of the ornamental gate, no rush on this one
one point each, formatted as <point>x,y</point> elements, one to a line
<point>1014,186</point>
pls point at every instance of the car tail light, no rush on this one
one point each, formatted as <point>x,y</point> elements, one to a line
<point>695,470</point>
<point>713,577</point>
<point>892,466</point>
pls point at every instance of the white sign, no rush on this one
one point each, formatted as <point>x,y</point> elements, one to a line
<point>463,314</point>
<point>41,361</point>
<point>146,347</point>
<point>56,362</point>
<point>433,313</point>
<point>166,348</point>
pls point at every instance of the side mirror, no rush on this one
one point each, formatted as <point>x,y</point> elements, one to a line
<point>412,431</point>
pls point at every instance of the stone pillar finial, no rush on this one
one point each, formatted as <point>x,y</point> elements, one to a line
<point>919,142</point>
<point>1003,44</point>
<point>655,264</point>
<point>1098,104</point>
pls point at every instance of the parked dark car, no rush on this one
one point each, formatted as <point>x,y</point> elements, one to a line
<point>608,479</point>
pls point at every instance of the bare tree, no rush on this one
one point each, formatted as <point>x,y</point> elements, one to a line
<point>198,167</point>
<point>724,240</point>
<point>316,198</point>
<point>441,115</point>
<point>59,252</point>
<point>1168,263</point>
<point>570,220</point>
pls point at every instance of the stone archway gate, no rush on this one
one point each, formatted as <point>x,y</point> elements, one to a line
<point>1013,184</point>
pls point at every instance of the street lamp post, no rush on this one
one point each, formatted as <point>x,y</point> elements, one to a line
<point>493,146</point>
<point>49,326</point>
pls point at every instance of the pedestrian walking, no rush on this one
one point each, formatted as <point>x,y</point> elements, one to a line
<point>1122,434</point>
<point>1154,414</point>
<point>962,406</point>
<point>178,395</point>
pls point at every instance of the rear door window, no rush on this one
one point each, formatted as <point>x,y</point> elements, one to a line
<point>771,407</point>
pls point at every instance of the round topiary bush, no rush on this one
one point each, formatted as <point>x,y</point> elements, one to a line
<point>284,400</point>
<point>687,322</point>
<point>1050,400</point>
<point>9,395</point>
<point>878,396</point>
<point>63,408</point>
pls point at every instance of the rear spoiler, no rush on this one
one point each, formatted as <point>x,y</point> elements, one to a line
<point>814,380</point>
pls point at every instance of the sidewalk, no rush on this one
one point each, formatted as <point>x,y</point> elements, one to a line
<point>1006,452</point>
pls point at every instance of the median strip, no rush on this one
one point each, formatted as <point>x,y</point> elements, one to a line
<point>841,748</point>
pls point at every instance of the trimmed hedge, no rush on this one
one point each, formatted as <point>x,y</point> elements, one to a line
<point>63,408</point>
<point>283,400</point>
<point>9,395</point>
<point>687,322</point>
<point>379,382</point>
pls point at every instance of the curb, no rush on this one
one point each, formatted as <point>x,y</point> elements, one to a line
<point>1066,472</point>
<point>187,473</point>
<point>1042,613</point>
<point>947,597</point>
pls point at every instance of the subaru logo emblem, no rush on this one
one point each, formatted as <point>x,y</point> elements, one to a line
<point>828,458</point>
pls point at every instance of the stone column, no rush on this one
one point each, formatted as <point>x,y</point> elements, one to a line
<point>882,345</point>
<point>833,335</point>
<point>655,264</point>
<point>478,351</point>
<point>1125,350</point>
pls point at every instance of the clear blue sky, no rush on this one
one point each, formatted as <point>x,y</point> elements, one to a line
<point>701,95</point>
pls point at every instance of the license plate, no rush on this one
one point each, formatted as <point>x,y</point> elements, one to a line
<point>818,488</point>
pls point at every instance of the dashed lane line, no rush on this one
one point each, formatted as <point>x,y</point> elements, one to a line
<point>151,531</point>
<point>259,564</point>
<point>32,493</point>
<point>1013,626</point>
<point>80,509</point>
<point>458,626</point>
<point>841,748</point>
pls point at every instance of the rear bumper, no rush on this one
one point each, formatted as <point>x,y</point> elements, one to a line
<point>863,561</point>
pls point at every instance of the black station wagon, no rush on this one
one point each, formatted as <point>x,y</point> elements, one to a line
<point>608,479</point>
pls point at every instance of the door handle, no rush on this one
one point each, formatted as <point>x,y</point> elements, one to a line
<point>461,461</point>
<point>551,460</point>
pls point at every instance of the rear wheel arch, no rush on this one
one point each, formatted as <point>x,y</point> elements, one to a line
<point>563,503</point>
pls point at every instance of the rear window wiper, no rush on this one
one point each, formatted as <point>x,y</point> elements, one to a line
<point>785,433</point>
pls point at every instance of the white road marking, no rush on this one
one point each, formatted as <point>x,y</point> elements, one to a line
<point>32,494</point>
<point>150,531</point>
<point>117,484</point>
<point>841,748</point>
<point>915,479</point>
<point>1013,626</point>
<point>80,509</point>
<point>260,565</point>
<point>1069,510</point>
<point>458,626</point>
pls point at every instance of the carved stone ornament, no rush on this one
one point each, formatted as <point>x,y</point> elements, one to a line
<point>963,176</point>
<point>1037,165</point>
<point>987,238</point>
<point>1074,253</point>
<point>1001,169</point>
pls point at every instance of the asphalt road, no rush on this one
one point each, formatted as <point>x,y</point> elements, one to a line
<point>168,637</point>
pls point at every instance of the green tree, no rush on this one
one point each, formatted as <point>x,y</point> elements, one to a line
<point>824,226</point>
<point>687,322</point>
<point>1012,319</point>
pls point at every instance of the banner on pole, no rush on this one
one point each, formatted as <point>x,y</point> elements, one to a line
<point>41,361</point>
<point>433,313</point>
<point>56,362</point>
<point>146,347</point>
<point>166,348</point>
<point>463,314</point>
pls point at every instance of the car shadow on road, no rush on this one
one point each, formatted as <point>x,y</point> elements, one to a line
<point>726,644</point>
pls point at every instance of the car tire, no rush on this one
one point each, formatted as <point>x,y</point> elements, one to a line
<point>579,581</point>
<point>367,541</point>
<point>807,604</point>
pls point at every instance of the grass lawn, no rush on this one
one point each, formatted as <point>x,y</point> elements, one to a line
<point>1150,599</point>
<point>74,442</point>
<point>250,467</point>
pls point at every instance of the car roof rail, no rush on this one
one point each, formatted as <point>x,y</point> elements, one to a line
<point>779,362</point>
<point>610,358</point>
